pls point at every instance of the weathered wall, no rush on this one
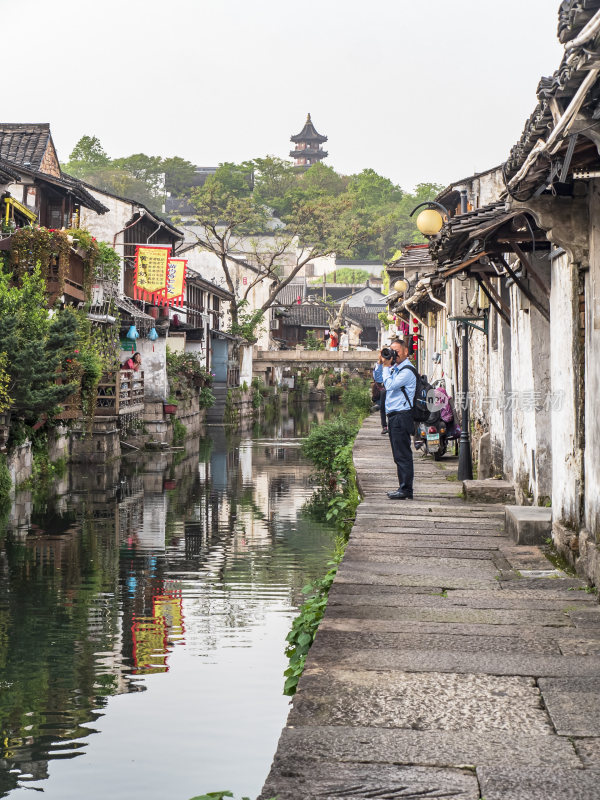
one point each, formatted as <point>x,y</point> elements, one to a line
<point>105,226</point>
<point>564,332</point>
<point>531,429</point>
<point>592,372</point>
<point>20,463</point>
<point>154,365</point>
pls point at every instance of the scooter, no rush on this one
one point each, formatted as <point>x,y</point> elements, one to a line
<point>433,435</point>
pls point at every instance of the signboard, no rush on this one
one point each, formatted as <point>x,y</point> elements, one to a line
<point>150,281</point>
<point>175,293</point>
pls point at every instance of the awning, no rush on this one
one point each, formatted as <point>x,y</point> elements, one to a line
<point>125,304</point>
<point>215,334</point>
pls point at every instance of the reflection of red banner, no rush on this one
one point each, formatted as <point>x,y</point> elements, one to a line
<point>150,281</point>
<point>154,637</point>
<point>175,292</point>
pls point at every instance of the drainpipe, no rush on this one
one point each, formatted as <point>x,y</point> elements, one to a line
<point>435,300</point>
<point>160,225</point>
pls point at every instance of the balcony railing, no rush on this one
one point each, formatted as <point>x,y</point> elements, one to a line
<point>120,392</point>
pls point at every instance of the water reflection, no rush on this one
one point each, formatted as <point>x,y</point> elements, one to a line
<point>172,573</point>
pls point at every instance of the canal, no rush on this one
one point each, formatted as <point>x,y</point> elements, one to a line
<point>143,615</point>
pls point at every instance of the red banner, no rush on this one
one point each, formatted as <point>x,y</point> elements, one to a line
<point>151,265</point>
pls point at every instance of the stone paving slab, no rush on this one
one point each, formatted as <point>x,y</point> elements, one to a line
<point>415,640</point>
<point>326,780</point>
<point>588,751</point>
<point>537,784</point>
<point>422,701</point>
<point>495,598</point>
<point>305,780</point>
<point>489,663</point>
<point>465,615</point>
<point>573,705</point>
<point>456,749</point>
<point>448,663</point>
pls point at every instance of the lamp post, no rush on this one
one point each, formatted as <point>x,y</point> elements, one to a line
<point>465,464</point>
<point>430,222</point>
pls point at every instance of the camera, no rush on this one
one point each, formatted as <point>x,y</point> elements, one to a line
<point>388,354</point>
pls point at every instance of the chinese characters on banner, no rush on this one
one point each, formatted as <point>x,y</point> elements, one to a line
<point>151,273</point>
<point>176,281</point>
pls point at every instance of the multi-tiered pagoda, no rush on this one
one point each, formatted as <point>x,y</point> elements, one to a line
<point>308,143</point>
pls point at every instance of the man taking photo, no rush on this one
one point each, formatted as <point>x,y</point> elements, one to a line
<point>400,380</point>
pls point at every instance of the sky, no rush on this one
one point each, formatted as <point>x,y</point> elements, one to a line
<point>416,90</point>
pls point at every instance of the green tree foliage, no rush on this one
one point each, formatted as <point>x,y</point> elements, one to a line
<point>39,349</point>
<point>89,151</point>
<point>138,177</point>
<point>343,275</point>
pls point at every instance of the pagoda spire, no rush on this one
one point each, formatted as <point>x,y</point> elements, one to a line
<point>308,143</point>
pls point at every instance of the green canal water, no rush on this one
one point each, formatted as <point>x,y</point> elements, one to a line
<point>143,615</point>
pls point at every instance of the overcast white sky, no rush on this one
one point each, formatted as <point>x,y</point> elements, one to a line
<point>419,90</point>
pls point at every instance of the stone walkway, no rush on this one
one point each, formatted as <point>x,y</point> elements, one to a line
<point>446,665</point>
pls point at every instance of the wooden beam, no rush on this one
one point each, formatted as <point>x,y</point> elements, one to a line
<point>530,268</point>
<point>464,264</point>
<point>485,290</point>
<point>525,289</point>
<point>496,296</point>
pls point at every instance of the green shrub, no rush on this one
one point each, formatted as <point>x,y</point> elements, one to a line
<point>5,479</point>
<point>356,398</point>
<point>179,432</point>
<point>325,442</point>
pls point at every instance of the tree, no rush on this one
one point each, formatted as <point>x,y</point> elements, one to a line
<point>236,226</point>
<point>37,348</point>
<point>89,151</point>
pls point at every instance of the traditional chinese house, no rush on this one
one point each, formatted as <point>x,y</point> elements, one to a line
<point>35,191</point>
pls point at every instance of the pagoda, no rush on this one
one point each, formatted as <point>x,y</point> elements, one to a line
<point>308,145</point>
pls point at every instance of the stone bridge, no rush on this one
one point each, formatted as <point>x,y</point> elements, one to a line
<point>268,363</point>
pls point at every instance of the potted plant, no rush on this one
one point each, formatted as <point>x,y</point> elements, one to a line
<point>170,405</point>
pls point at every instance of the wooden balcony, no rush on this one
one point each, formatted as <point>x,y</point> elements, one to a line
<point>120,393</point>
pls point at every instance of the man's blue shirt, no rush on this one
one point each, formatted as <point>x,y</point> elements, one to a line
<point>395,379</point>
<point>378,373</point>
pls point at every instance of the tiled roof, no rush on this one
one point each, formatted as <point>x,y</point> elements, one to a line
<point>414,257</point>
<point>24,144</point>
<point>290,294</point>
<point>310,315</point>
<point>308,133</point>
<point>457,235</point>
<point>7,172</point>
<point>561,86</point>
<point>573,15</point>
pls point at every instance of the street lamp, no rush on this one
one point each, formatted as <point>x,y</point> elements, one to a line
<point>430,221</point>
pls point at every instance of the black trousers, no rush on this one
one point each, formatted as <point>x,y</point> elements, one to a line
<point>400,428</point>
<point>382,407</point>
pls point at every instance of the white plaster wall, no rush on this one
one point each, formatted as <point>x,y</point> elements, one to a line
<point>154,365</point>
<point>246,364</point>
<point>592,371</point>
<point>564,331</point>
<point>105,227</point>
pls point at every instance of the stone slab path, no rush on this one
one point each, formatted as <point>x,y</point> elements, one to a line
<point>449,664</point>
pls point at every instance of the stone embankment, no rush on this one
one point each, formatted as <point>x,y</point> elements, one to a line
<point>450,662</point>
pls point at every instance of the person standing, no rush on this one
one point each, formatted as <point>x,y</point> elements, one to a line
<point>378,378</point>
<point>400,381</point>
<point>344,342</point>
<point>333,340</point>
